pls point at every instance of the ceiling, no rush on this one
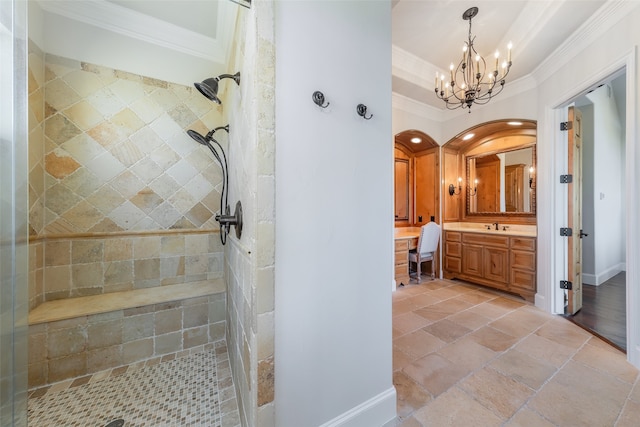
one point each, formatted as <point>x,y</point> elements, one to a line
<point>428,35</point>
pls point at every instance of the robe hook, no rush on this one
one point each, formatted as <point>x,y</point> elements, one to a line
<point>362,111</point>
<point>318,99</point>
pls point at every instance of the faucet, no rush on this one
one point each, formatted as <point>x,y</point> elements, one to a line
<point>496,224</point>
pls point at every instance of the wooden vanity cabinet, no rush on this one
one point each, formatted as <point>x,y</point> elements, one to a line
<point>503,262</point>
<point>452,252</point>
<point>402,261</point>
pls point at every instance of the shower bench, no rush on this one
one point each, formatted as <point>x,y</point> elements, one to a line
<point>74,337</point>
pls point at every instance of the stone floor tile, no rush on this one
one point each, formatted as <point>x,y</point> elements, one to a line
<point>455,408</point>
<point>401,359</point>
<point>418,343</point>
<point>446,330</point>
<point>491,311</point>
<point>493,339</point>
<point>409,422</point>
<point>425,299</point>
<point>545,349</point>
<point>604,360</point>
<point>581,396</point>
<point>525,417</point>
<point>630,416</point>
<point>411,396</point>
<point>524,368</point>
<point>467,354</point>
<point>409,322</point>
<point>183,391</point>
<point>497,392</point>
<point>470,320</point>
<point>435,373</point>
<point>564,332</point>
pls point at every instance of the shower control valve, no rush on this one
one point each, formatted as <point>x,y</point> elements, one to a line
<point>227,220</point>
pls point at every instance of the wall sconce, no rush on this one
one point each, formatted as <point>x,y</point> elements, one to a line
<point>209,87</point>
<point>475,188</point>
<point>531,176</point>
<point>452,188</point>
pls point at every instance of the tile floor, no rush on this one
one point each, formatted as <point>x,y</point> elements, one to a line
<point>190,389</point>
<point>464,355</point>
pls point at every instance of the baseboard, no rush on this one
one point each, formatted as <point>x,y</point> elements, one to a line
<point>598,279</point>
<point>379,411</point>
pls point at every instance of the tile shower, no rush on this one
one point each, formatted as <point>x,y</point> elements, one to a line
<point>120,199</point>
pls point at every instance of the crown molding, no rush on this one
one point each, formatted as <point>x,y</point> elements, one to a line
<point>409,67</point>
<point>120,20</point>
<point>596,26</point>
<point>401,102</point>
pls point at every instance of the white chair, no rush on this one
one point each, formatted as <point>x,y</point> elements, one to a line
<point>426,249</point>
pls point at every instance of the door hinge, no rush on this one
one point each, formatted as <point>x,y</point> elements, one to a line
<point>566,125</point>
<point>565,284</point>
<point>566,232</point>
<point>566,179</point>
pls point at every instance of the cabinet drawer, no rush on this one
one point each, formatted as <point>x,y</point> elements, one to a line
<point>524,243</point>
<point>485,239</point>
<point>453,249</point>
<point>402,245</point>
<point>453,236</point>
<point>402,257</point>
<point>452,265</point>
<point>523,279</point>
<point>402,270</point>
<point>524,260</point>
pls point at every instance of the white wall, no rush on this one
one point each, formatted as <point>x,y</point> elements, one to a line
<point>334,215</point>
<point>608,175</point>
<point>76,40</point>
<point>581,64</point>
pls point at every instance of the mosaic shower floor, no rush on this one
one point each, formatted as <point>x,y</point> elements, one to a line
<point>193,390</point>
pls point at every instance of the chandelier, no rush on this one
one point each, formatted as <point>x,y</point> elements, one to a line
<point>472,81</point>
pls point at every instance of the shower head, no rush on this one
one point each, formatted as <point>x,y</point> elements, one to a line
<point>209,87</point>
<point>204,140</point>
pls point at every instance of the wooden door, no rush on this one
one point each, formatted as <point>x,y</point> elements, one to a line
<point>426,183</point>
<point>574,142</point>
<point>488,175</point>
<point>495,266</point>
<point>472,260</point>
<point>514,188</point>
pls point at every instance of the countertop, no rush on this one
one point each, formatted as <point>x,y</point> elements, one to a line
<point>481,228</point>
<point>407,233</point>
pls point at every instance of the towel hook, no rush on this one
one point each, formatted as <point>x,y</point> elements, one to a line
<point>318,99</point>
<point>362,111</point>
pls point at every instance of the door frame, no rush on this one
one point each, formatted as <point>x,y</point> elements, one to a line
<point>552,254</point>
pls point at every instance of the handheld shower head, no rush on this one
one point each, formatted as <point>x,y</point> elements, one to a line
<point>197,137</point>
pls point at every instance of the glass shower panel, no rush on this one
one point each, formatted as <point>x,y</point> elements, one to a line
<point>13,214</point>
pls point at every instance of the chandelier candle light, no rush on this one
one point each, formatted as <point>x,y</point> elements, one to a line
<point>472,81</point>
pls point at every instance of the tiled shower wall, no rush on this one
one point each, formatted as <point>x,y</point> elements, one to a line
<point>249,262</point>
<point>120,197</point>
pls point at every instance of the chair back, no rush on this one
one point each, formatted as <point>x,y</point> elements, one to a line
<point>429,238</point>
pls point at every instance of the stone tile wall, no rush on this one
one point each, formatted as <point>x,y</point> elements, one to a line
<point>84,345</point>
<point>120,198</point>
<point>112,170</point>
<point>249,262</point>
<point>89,266</point>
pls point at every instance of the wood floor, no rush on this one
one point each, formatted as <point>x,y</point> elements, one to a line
<point>604,311</point>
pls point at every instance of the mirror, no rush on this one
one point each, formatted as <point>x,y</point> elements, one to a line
<point>502,182</point>
<point>401,185</point>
